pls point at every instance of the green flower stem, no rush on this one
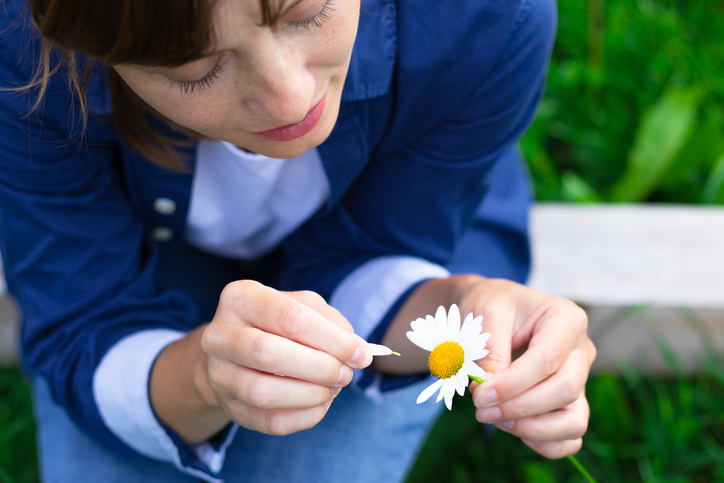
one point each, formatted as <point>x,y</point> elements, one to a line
<point>476,379</point>
<point>581,469</point>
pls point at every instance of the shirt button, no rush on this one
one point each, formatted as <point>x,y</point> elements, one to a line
<point>164,206</point>
<point>162,234</point>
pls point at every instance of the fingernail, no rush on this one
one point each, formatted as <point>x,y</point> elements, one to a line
<point>345,375</point>
<point>531,443</point>
<point>359,357</point>
<point>486,398</point>
<point>506,425</point>
<point>336,391</point>
<point>489,415</point>
<point>327,404</point>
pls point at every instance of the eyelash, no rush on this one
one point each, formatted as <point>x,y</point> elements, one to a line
<point>206,81</point>
<point>318,19</point>
<point>200,84</point>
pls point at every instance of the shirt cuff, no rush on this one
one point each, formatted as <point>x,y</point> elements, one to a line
<point>367,295</point>
<point>120,390</point>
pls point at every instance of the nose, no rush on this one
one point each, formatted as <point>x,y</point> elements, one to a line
<point>283,88</point>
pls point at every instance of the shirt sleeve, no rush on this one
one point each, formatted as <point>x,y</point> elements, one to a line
<point>78,260</point>
<point>407,214</point>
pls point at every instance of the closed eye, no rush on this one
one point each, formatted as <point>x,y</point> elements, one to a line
<point>200,84</point>
<point>318,19</point>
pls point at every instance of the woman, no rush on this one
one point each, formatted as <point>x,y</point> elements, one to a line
<point>243,163</point>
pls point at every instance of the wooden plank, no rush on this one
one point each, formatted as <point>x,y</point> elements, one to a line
<point>630,254</point>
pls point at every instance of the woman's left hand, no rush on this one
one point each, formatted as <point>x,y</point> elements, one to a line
<point>539,396</point>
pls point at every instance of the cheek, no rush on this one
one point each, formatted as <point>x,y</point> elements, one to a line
<point>202,111</point>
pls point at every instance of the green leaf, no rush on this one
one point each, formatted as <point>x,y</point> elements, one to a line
<point>663,131</point>
<point>574,188</point>
<point>713,191</point>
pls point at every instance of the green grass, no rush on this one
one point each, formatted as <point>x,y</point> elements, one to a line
<point>18,457</point>
<point>634,105</point>
<point>653,430</point>
<point>641,430</point>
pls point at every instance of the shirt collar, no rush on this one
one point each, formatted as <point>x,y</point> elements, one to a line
<point>374,52</point>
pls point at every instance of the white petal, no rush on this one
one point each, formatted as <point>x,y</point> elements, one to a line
<point>484,337</point>
<point>448,399</point>
<point>461,382</point>
<point>453,322</point>
<point>476,355</point>
<point>380,350</point>
<point>473,369</point>
<point>466,331</point>
<point>421,327</point>
<point>429,391</point>
<point>432,327</point>
<point>441,323</point>
<point>420,341</point>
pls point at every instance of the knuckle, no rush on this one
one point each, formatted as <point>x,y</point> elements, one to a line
<point>263,353</point>
<point>278,424</point>
<point>294,319</point>
<point>570,390</point>
<point>310,296</point>
<point>580,426</point>
<point>551,359</point>
<point>258,394</point>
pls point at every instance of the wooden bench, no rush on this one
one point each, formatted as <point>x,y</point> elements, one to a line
<point>650,277</point>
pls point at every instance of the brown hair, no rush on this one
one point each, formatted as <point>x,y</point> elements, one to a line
<point>158,33</point>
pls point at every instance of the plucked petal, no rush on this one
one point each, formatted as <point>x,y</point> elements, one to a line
<point>420,341</point>
<point>380,350</point>
<point>453,322</point>
<point>429,391</point>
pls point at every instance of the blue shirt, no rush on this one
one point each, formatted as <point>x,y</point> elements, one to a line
<point>424,180</point>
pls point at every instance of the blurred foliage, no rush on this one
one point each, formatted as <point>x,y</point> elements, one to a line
<point>634,106</point>
<point>18,458</point>
<point>642,429</point>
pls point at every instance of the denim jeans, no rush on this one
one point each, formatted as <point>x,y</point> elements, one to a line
<point>358,441</point>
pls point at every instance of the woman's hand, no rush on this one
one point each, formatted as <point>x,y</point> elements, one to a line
<point>539,396</point>
<point>274,361</point>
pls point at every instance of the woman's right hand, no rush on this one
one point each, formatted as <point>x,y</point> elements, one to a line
<point>274,361</point>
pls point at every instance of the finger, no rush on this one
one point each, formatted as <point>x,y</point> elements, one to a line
<point>498,322</point>
<point>570,422</point>
<point>278,422</point>
<point>556,449</point>
<point>270,353</point>
<point>317,302</point>
<point>264,391</point>
<point>555,334</point>
<point>559,390</point>
<point>277,313</point>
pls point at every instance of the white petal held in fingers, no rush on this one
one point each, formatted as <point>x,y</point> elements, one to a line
<point>380,350</point>
<point>453,351</point>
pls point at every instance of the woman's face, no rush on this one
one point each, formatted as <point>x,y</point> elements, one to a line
<point>272,91</point>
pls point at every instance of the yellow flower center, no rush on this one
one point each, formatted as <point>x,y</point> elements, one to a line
<point>446,360</point>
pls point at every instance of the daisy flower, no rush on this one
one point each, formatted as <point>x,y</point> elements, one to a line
<point>453,351</point>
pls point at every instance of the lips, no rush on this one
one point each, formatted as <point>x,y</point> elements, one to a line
<point>299,129</point>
